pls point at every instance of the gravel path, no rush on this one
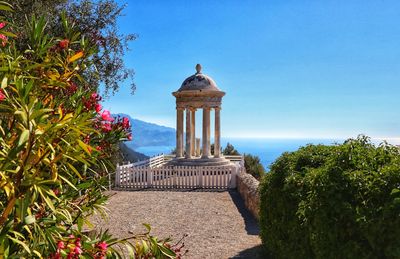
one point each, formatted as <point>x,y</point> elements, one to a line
<point>217,223</point>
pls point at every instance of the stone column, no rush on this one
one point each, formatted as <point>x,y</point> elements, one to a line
<point>217,132</point>
<point>193,132</point>
<point>197,147</point>
<point>188,138</point>
<point>179,132</point>
<point>206,132</point>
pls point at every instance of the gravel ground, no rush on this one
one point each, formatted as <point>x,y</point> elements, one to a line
<point>217,223</point>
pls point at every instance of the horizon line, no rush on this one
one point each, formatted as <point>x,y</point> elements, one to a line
<point>397,139</point>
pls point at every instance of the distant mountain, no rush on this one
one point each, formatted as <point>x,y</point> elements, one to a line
<point>146,134</point>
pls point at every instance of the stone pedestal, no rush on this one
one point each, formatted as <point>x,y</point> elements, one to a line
<point>199,161</point>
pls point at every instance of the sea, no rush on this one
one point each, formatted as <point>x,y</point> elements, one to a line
<point>266,149</point>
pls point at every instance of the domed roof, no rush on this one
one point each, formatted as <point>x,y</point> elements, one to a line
<point>199,81</point>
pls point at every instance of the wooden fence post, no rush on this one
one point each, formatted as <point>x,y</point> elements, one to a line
<point>117,176</point>
<point>200,176</point>
<point>174,176</point>
<point>149,177</point>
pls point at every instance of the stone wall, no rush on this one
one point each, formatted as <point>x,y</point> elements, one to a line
<point>247,186</point>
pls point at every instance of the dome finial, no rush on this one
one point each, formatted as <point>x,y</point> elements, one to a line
<point>198,68</point>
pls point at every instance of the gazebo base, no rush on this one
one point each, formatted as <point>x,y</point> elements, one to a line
<point>212,161</point>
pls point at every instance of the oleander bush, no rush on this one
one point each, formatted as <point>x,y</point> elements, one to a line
<point>56,143</point>
<point>340,201</point>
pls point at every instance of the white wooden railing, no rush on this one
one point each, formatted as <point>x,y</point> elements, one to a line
<point>155,161</point>
<point>176,177</point>
<point>153,173</point>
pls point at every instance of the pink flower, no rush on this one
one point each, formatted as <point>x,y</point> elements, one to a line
<point>125,123</point>
<point>94,96</point>
<point>129,136</point>
<point>77,250</point>
<point>102,245</point>
<point>56,193</point>
<point>60,245</point>
<point>2,95</point>
<point>98,107</point>
<point>3,39</point>
<point>63,43</point>
<point>71,236</point>
<point>78,242</point>
<point>106,115</point>
<point>106,127</point>
<point>2,24</point>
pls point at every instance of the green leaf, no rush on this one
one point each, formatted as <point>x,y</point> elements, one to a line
<point>23,115</point>
<point>4,82</point>
<point>5,7</point>
<point>74,170</point>
<point>46,199</point>
<point>20,242</point>
<point>395,192</point>
<point>9,34</point>
<point>168,252</point>
<point>24,137</point>
<point>30,219</point>
<point>68,182</point>
<point>131,252</point>
<point>147,226</point>
<point>77,56</point>
<point>37,253</point>
<point>84,146</point>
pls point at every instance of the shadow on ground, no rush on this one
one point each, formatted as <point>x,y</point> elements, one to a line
<point>250,222</point>
<point>256,252</point>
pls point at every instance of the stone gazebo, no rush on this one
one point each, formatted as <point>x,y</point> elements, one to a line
<point>198,91</point>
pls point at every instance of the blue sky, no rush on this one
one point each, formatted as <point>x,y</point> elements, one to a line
<point>311,69</point>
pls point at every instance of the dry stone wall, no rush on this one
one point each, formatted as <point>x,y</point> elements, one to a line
<point>247,186</point>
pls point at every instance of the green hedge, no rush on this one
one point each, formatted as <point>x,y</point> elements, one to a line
<point>339,201</point>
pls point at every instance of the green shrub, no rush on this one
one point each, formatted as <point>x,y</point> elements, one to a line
<point>339,201</point>
<point>253,166</point>
<point>230,150</point>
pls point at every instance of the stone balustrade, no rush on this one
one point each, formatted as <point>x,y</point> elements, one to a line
<point>247,187</point>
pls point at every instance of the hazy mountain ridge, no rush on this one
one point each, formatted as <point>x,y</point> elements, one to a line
<point>149,134</point>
